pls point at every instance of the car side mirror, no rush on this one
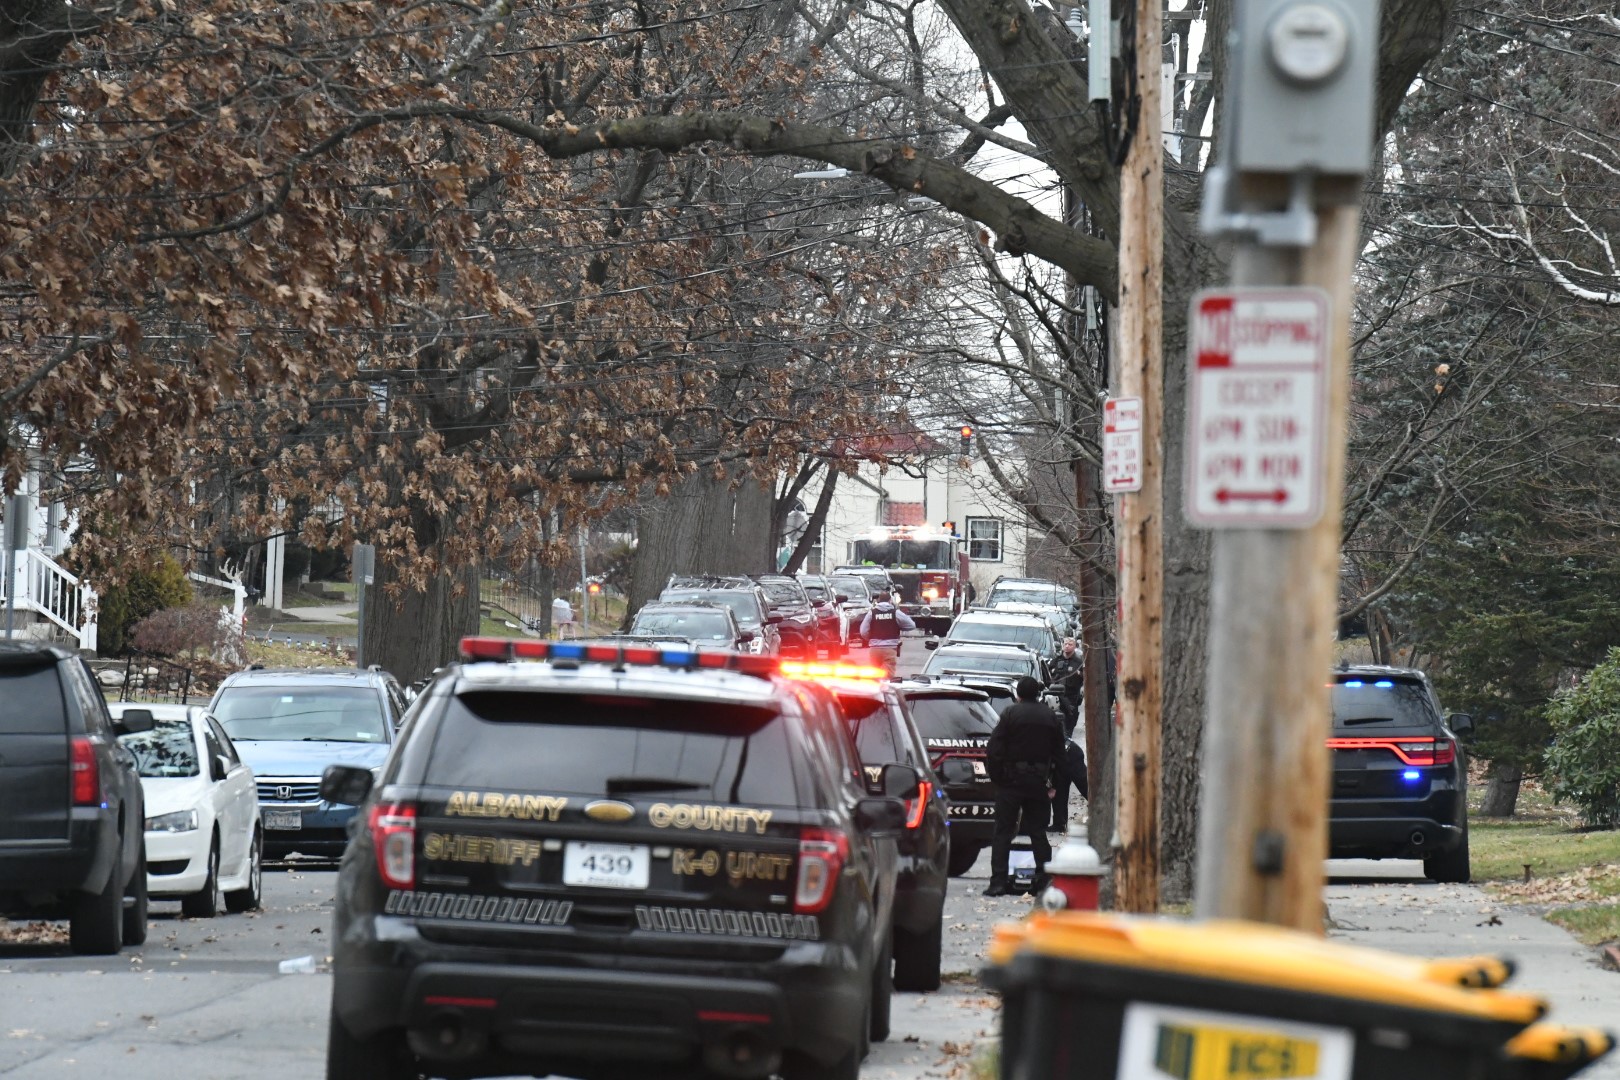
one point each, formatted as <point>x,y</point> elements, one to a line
<point>134,721</point>
<point>346,785</point>
<point>931,644</point>
<point>774,618</point>
<point>222,767</point>
<point>1460,722</point>
<point>745,635</point>
<point>901,781</point>
<point>880,814</point>
<point>842,599</point>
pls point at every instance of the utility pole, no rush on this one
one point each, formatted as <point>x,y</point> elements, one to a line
<point>1140,517</point>
<point>16,540</point>
<point>1267,471</point>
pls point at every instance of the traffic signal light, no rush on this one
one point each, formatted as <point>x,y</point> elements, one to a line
<point>967,438</point>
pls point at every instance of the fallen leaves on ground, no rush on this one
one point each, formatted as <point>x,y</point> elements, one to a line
<point>33,933</point>
<point>1584,886</point>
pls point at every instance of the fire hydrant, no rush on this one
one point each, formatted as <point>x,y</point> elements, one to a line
<point>1076,872</point>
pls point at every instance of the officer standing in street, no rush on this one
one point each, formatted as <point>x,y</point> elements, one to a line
<point>1025,749</point>
<point>1068,674</point>
<point>881,631</point>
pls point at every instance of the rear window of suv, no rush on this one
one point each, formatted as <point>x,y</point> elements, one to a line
<point>584,744</point>
<point>1000,633</point>
<point>744,605</point>
<point>31,701</point>
<point>952,718</point>
<point>1371,704</point>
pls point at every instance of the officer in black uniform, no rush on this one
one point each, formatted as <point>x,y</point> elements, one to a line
<point>1024,750</point>
<point>1067,673</point>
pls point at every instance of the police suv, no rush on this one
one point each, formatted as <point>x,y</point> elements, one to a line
<point>615,861</point>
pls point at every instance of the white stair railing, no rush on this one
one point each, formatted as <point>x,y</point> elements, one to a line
<point>43,587</point>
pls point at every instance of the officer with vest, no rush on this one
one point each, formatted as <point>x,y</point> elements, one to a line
<point>1025,750</point>
<point>881,631</point>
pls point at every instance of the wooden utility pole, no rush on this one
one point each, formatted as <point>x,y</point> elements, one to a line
<point>1273,619</point>
<point>1291,196</point>
<point>1139,361</point>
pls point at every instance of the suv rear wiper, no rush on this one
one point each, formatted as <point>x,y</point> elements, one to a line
<point>621,785</point>
<point>1367,720</point>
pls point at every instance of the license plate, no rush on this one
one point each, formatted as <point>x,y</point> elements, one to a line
<point>606,866</point>
<point>283,819</point>
<point>978,769</point>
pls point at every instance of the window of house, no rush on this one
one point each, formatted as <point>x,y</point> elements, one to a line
<point>984,539</point>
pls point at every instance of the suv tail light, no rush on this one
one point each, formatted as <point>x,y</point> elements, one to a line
<point>86,773</point>
<point>1412,751</point>
<point>915,808</point>
<point>821,856</point>
<point>393,834</point>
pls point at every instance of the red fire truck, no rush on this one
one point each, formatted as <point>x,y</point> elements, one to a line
<point>929,567</point>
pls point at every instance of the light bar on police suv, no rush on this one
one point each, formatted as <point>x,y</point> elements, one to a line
<point>502,650</point>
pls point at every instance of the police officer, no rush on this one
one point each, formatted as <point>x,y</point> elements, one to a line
<point>881,631</point>
<point>1067,674</point>
<point>1024,749</point>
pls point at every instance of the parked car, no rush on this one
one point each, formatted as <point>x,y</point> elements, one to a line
<point>955,720</point>
<point>885,734</point>
<point>709,626</point>
<point>71,806</point>
<point>832,625</point>
<point>204,842</point>
<point>854,598</point>
<point>1400,777</point>
<point>1018,590</point>
<point>289,725</point>
<point>994,669</point>
<point>876,577</point>
<point>610,866</point>
<point>796,615</point>
<point>983,626</point>
<point>745,599</point>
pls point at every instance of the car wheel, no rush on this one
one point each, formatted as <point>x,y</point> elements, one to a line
<point>882,1007</point>
<point>917,957</point>
<point>96,923</point>
<point>248,899</point>
<point>1450,867</point>
<point>205,902</point>
<point>381,1057</point>
<point>962,859</point>
<point>135,904</point>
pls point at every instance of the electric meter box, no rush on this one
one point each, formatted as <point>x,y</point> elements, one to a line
<point>1304,75</point>
<point>1092,996</point>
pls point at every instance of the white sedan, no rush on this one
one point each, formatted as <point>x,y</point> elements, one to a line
<point>203,843</point>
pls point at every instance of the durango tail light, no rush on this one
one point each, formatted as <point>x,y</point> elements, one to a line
<point>915,808</point>
<point>1419,751</point>
<point>393,834</point>
<point>86,773</point>
<point>821,856</point>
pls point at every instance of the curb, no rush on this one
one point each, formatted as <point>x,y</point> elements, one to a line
<point>1609,957</point>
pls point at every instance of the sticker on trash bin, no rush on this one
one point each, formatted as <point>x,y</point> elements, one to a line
<point>1163,1043</point>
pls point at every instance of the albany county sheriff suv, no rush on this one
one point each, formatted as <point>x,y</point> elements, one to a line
<point>607,861</point>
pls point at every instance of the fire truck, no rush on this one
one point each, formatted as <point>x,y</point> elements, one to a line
<point>928,565</point>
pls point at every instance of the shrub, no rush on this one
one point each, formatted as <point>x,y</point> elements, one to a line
<point>162,584</point>
<point>1584,760</point>
<point>194,632</point>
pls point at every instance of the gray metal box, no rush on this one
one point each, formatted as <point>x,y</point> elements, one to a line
<point>1315,120</point>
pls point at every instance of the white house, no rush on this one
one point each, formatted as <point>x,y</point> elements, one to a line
<point>46,601</point>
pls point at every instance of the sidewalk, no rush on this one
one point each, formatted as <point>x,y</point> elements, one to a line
<point>325,613</point>
<point>1422,919</point>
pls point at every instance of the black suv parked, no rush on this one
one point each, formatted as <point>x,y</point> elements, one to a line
<point>72,821</point>
<point>955,721</point>
<point>618,862</point>
<point>791,604</point>
<point>885,734</point>
<point>1400,781</point>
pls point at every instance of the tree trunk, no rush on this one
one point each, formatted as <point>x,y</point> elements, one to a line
<point>812,528</point>
<point>413,632</point>
<point>702,527</point>
<point>1501,789</point>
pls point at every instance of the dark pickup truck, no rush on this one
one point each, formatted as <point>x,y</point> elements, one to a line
<point>72,821</point>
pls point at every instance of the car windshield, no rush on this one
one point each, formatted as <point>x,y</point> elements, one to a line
<point>701,751</point>
<point>692,625</point>
<point>952,718</point>
<point>168,750</point>
<point>950,661</point>
<point>1373,702</point>
<point>815,590</point>
<point>1000,633</point>
<point>905,554</point>
<point>780,592</point>
<point>851,586</point>
<point>744,605</point>
<point>302,714</point>
<point>1045,595</point>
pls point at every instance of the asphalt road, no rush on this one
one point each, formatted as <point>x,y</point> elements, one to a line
<point>205,998</point>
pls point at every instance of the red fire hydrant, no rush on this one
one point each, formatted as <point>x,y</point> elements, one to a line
<point>1076,872</point>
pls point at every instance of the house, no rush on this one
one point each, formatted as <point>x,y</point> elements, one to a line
<point>43,600</point>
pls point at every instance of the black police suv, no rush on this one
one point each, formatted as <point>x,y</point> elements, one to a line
<point>955,720</point>
<point>1399,775</point>
<point>796,622</point>
<point>884,735</point>
<point>72,820</point>
<point>614,862</point>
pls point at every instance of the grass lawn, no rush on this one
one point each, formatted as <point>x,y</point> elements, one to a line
<point>1500,848</point>
<point>1593,924</point>
<point>319,629</point>
<point>276,655</point>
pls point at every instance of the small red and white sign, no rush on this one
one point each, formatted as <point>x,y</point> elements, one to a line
<point>1259,407</point>
<point>1122,445</point>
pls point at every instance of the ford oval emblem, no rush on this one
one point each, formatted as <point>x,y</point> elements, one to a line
<point>609,810</point>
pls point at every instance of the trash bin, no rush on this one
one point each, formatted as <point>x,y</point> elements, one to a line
<point>1090,996</point>
<point>1551,1052</point>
